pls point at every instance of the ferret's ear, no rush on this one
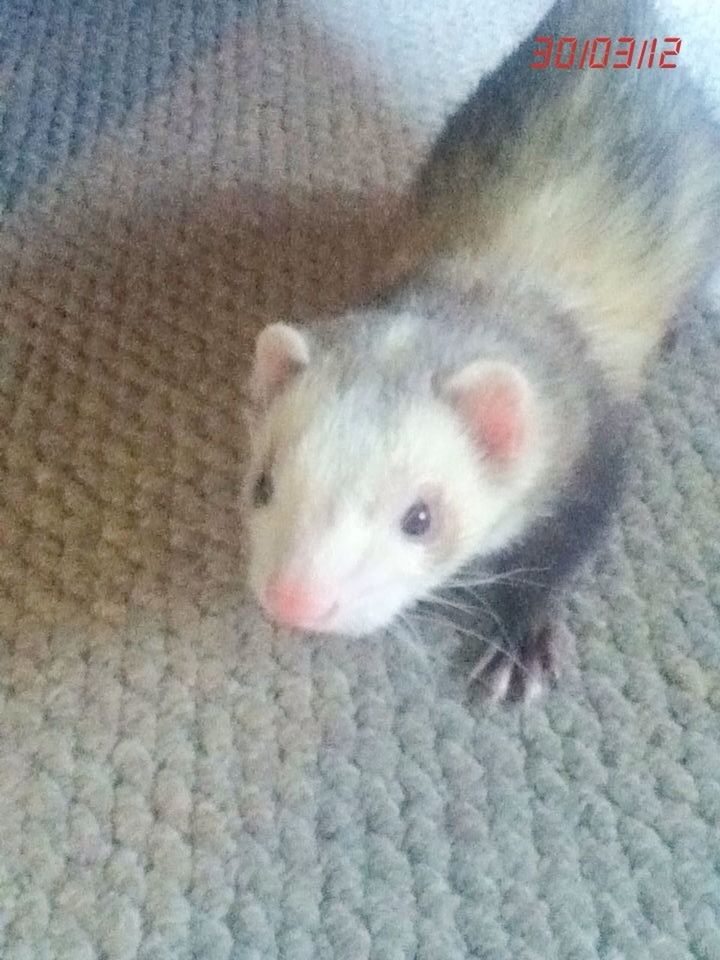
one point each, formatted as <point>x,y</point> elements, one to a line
<point>495,401</point>
<point>281,352</point>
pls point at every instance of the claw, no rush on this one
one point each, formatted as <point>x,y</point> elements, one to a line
<point>526,675</point>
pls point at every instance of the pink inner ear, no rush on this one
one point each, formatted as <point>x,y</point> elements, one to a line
<point>275,369</point>
<point>280,353</point>
<point>495,411</point>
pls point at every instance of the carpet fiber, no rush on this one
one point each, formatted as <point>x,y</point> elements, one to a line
<point>178,780</point>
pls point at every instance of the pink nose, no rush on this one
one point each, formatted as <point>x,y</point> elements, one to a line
<point>294,603</point>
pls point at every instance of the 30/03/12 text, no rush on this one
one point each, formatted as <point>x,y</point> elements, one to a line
<point>595,53</point>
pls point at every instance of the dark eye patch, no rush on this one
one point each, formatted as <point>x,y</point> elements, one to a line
<point>262,489</point>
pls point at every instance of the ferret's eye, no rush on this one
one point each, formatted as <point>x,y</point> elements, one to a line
<point>416,521</point>
<point>263,490</point>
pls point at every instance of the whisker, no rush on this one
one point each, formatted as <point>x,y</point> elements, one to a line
<point>504,575</point>
<point>441,621</point>
<point>491,581</point>
<point>403,620</point>
<point>439,600</point>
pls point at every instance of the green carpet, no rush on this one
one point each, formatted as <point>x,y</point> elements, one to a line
<point>178,780</point>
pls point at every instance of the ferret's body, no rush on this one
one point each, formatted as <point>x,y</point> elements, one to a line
<point>473,423</point>
<point>600,184</point>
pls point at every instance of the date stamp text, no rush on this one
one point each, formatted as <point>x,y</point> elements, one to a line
<point>599,53</point>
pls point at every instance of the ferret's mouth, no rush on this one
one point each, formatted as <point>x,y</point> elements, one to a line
<point>297,604</point>
<point>322,623</point>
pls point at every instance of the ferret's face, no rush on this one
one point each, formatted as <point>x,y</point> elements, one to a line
<point>357,504</point>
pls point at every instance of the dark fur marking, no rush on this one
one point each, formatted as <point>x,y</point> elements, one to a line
<point>519,614</point>
<point>493,119</point>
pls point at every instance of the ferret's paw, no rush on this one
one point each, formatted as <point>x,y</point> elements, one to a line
<point>525,675</point>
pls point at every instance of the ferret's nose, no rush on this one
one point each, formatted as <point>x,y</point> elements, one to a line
<point>294,603</point>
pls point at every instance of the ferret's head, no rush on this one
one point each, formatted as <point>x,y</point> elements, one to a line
<point>370,484</point>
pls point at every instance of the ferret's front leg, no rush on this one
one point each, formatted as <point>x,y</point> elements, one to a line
<point>523,661</point>
<point>517,618</point>
<point>519,604</point>
<point>525,581</point>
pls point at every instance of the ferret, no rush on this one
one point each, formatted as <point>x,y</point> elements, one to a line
<point>461,439</point>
